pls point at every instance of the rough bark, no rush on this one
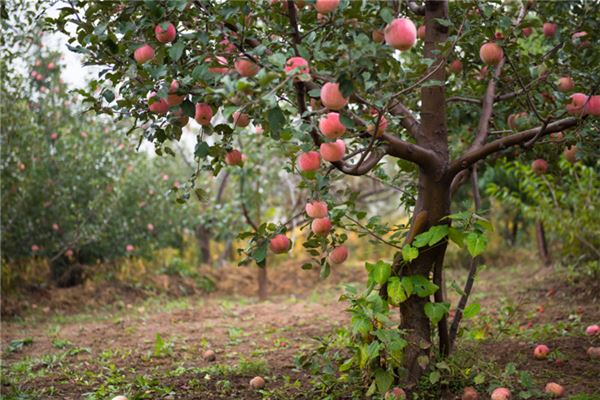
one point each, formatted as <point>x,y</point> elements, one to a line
<point>203,237</point>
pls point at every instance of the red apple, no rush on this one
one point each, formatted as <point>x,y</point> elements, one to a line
<point>491,53</point>
<point>578,101</point>
<point>332,97</point>
<point>556,137</point>
<point>455,66</point>
<point>469,393</point>
<point>279,244</point>
<point>333,151</point>
<point>129,248</point>
<point>383,123</point>
<point>395,393</point>
<point>173,98</point>
<point>143,54</point>
<point>241,119</point>
<point>421,32</point>
<point>338,255</point>
<point>516,120</point>
<point>593,352</point>
<point>316,209</point>
<point>593,106</point>
<point>220,61</point>
<point>35,248</point>
<point>159,106</point>
<point>229,47</point>
<point>592,330</point>
<point>297,64</point>
<point>549,29</point>
<point>246,67</point>
<point>527,31</point>
<point>203,114</point>
<point>233,157</point>
<point>565,84</point>
<point>150,227</point>
<point>501,394</point>
<point>165,35</point>
<point>498,35</point>
<point>401,34</point>
<point>326,6</point>
<point>69,253</point>
<point>554,389</point>
<point>309,161</point>
<point>321,226</point>
<point>541,351</point>
<point>331,127</point>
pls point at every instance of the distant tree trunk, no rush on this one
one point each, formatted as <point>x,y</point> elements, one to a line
<point>203,236</point>
<point>514,231</point>
<point>262,283</point>
<point>540,236</point>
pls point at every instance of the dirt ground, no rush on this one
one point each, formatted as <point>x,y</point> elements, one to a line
<point>87,344</point>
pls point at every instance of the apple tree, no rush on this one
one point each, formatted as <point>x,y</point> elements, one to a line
<point>350,88</point>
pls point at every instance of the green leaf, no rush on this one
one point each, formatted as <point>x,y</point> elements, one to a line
<point>479,379</point>
<point>346,121</point>
<point>201,150</point>
<point>409,253</point>
<point>434,377</point>
<point>188,108</point>
<point>325,271</point>
<point>444,22</point>
<point>379,272</point>
<point>456,236</point>
<point>260,253</point>
<point>315,92</point>
<point>423,287</point>
<point>471,310</point>
<point>360,324</point>
<point>386,14</point>
<point>176,51</point>
<point>476,243</point>
<point>108,95</point>
<point>399,290</point>
<point>422,239</point>
<point>438,232</point>
<point>436,311</point>
<point>383,379</point>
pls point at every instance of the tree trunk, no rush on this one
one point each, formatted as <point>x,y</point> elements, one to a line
<point>515,230</point>
<point>262,283</point>
<point>540,236</point>
<point>434,197</point>
<point>203,237</point>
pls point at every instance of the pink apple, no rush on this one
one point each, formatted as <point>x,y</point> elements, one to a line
<point>578,101</point>
<point>234,157</point>
<point>539,166</point>
<point>383,123</point>
<point>554,389</point>
<point>401,34</point>
<point>549,29</point>
<point>297,64</point>
<point>333,151</point>
<point>229,47</point>
<point>501,394</point>
<point>55,227</point>
<point>421,32</point>
<point>338,255</point>
<point>378,36</point>
<point>54,136</point>
<point>565,84</point>
<point>321,226</point>
<point>129,248</point>
<point>469,393</point>
<point>541,352</point>
<point>51,65</point>
<point>35,248</point>
<point>331,127</point>
<point>159,106</point>
<point>395,393</point>
<point>309,161</point>
<point>173,99</point>
<point>167,34</point>
<point>279,244</point>
<point>316,209</point>
<point>527,31</point>
<point>69,253</point>
<point>203,114</point>
<point>593,106</point>
<point>332,97</point>
<point>592,330</point>
<point>491,53</point>
<point>326,6</point>
<point>246,67</point>
<point>241,119</point>
<point>144,54</point>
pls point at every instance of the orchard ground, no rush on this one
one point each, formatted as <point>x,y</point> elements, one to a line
<point>152,347</point>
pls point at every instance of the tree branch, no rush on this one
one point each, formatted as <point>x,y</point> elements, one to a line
<point>476,154</point>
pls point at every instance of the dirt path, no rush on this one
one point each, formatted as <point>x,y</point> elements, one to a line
<point>155,350</point>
